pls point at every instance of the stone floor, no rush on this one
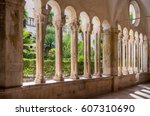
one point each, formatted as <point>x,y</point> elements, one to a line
<point>141,91</point>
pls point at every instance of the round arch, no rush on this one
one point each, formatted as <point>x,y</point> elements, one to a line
<point>125,31</point>
<point>105,25</point>
<point>55,8</point>
<point>119,28</point>
<point>131,33</point>
<point>70,14</point>
<point>96,21</point>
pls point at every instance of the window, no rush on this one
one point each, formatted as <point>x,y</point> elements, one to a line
<point>134,13</point>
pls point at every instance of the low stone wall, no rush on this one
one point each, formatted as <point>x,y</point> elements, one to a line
<point>129,80</point>
<point>85,88</point>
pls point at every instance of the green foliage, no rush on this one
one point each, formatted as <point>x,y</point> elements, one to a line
<point>27,42</point>
<point>49,67</point>
<point>25,18</point>
<point>66,46</point>
<point>52,54</point>
<point>49,41</point>
<point>80,51</point>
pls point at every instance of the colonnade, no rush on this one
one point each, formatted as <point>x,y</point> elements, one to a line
<point>132,52</point>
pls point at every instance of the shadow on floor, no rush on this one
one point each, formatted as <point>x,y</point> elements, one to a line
<point>141,91</point>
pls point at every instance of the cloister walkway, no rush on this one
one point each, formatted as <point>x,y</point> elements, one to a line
<point>141,91</point>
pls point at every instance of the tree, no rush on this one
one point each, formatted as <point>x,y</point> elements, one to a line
<point>27,41</point>
<point>49,41</point>
<point>25,18</point>
<point>66,46</point>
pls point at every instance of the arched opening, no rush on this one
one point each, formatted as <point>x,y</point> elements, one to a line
<point>131,52</point>
<point>125,51</point>
<point>96,46</point>
<point>29,42</point>
<point>85,28</point>
<point>70,41</point>
<point>134,13</point>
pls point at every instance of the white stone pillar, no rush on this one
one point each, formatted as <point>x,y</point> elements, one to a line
<point>74,50</point>
<point>141,53</point>
<point>107,53</point>
<point>131,53</point>
<point>145,54</point>
<point>40,26</point>
<point>125,54</point>
<point>136,53</point>
<point>58,46</point>
<point>96,33</point>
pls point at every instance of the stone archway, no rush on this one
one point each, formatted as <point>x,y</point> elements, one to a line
<point>86,30</point>
<point>97,50</point>
<point>71,21</point>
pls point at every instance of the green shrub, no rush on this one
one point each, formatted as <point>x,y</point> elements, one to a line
<point>49,67</point>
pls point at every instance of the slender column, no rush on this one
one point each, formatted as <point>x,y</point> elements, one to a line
<point>141,54</point>
<point>125,56</point>
<point>145,55</point>
<point>131,53</point>
<point>85,53</point>
<point>96,33</point>
<point>87,50</point>
<point>95,54</point>
<point>99,54</point>
<point>136,53</point>
<point>40,24</point>
<point>74,50</point>
<point>120,36</point>
<point>58,45</point>
<point>107,53</point>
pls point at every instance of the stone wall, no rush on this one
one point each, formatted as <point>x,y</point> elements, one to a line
<point>86,88</point>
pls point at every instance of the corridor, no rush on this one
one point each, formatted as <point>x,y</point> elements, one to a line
<point>141,91</point>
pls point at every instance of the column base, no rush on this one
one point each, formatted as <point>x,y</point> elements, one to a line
<point>74,77</point>
<point>125,71</point>
<point>87,76</point>
<point>39,81</point>
<point>58,78</point>
<point>96,76</point>
<point>106,75</point>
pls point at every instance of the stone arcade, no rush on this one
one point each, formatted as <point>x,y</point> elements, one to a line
<point>125,47</point>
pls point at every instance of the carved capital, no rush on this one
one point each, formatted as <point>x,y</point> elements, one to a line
<point>40,18</point>
<point>57,23</point>
<point>74,26</point>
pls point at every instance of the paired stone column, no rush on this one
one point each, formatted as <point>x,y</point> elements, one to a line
<point>120,36</point>
<point>106,53</point>
<point>58,45</point>
<point>136,53</point>
<point>87,50</point>
<point>11,43</point>
<point>97,52</point>
<point>141,54</point>
<point>145,54</point>
<point>40,26</point>
<point>125,53</point>
<point>131,53</point>
<point>74,50</point>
